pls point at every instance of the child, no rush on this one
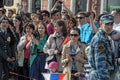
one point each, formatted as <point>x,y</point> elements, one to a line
<point>53,67</point>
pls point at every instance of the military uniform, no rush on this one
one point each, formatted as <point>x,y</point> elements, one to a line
<point>6,50</point>
<point>101,57</point>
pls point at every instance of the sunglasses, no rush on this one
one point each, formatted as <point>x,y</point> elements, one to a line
<point>75,35</point>
<point>80,17</point>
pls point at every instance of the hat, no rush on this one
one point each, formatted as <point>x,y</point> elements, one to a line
<point>45,12</point>
<point>107,18</point>
<point>53,64</point>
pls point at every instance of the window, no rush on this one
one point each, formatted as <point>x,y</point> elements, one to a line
<point>8,2</point>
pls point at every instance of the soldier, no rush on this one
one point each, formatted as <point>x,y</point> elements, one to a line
<point>7,55</point>
<point>101,57</point>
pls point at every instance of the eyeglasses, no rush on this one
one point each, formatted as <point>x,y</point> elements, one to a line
<point>75,35</point>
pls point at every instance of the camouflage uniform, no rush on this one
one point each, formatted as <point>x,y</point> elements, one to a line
<point>101,57</point>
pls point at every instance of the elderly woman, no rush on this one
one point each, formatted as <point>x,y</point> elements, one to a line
<point>73,56</point>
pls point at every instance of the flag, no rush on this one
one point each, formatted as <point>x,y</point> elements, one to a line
<point>53,76</point>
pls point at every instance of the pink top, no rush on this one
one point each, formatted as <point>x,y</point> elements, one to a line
<point>26,51</point>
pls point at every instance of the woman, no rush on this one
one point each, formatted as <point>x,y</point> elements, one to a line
<point>73,56</point>
<point>39,57</point>
<point>17,20</point>
<point>54,43</point>
<point>24,51</point>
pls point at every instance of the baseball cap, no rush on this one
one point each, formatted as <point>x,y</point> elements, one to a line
<point>53,64</point>
<point>107,18</point>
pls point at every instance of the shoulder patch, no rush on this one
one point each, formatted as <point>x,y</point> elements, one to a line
<point>101,47</point>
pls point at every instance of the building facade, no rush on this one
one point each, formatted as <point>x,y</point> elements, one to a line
<point>98,6</point>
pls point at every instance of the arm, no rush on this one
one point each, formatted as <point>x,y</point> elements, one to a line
<point>21,44</point>
<point>47,47</point>
<point>68,10</point>
<point>56,4</point>
<point>101,63</point>
<point>92,23</point>
<point>66,58</point>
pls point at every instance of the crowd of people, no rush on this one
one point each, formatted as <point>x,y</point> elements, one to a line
<point>82,46</point>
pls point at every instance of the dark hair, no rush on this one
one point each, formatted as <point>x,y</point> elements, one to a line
<point>54,12</point>
<point>62,23</point>
<point>76,29</point>
<point>87,14</point>
<point>18,17</point>
<point>67,16</point>
<point>30,25</point>
<point>81,13</point>
<point>74,21</point>
<point>5,18</point>
<point>11,10</point>
<point>45,12</point>
<point>11,23</point>
<point>3,10</point>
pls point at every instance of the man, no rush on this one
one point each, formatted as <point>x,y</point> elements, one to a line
<point>10,14</point>
<point>101,57</point>
<point>47,21</point>
<point>2,14</point>
<point>7,55</point>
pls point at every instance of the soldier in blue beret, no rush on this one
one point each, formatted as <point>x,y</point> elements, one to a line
<point>101,57</point>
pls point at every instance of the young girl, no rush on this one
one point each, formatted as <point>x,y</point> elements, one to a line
<point>53,67</point>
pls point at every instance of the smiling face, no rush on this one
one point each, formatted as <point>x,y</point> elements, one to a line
<point>4,24</point>
<point>41,29</point>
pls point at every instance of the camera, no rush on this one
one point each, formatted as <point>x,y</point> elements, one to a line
<point>35,34</point>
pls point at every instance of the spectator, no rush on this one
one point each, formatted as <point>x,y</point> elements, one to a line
<point>73,56</point>
<point>10,14</point>
<point>24,51</point>
<point>53,67</point>
<point>38,59</point>
<point>54,43</point>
